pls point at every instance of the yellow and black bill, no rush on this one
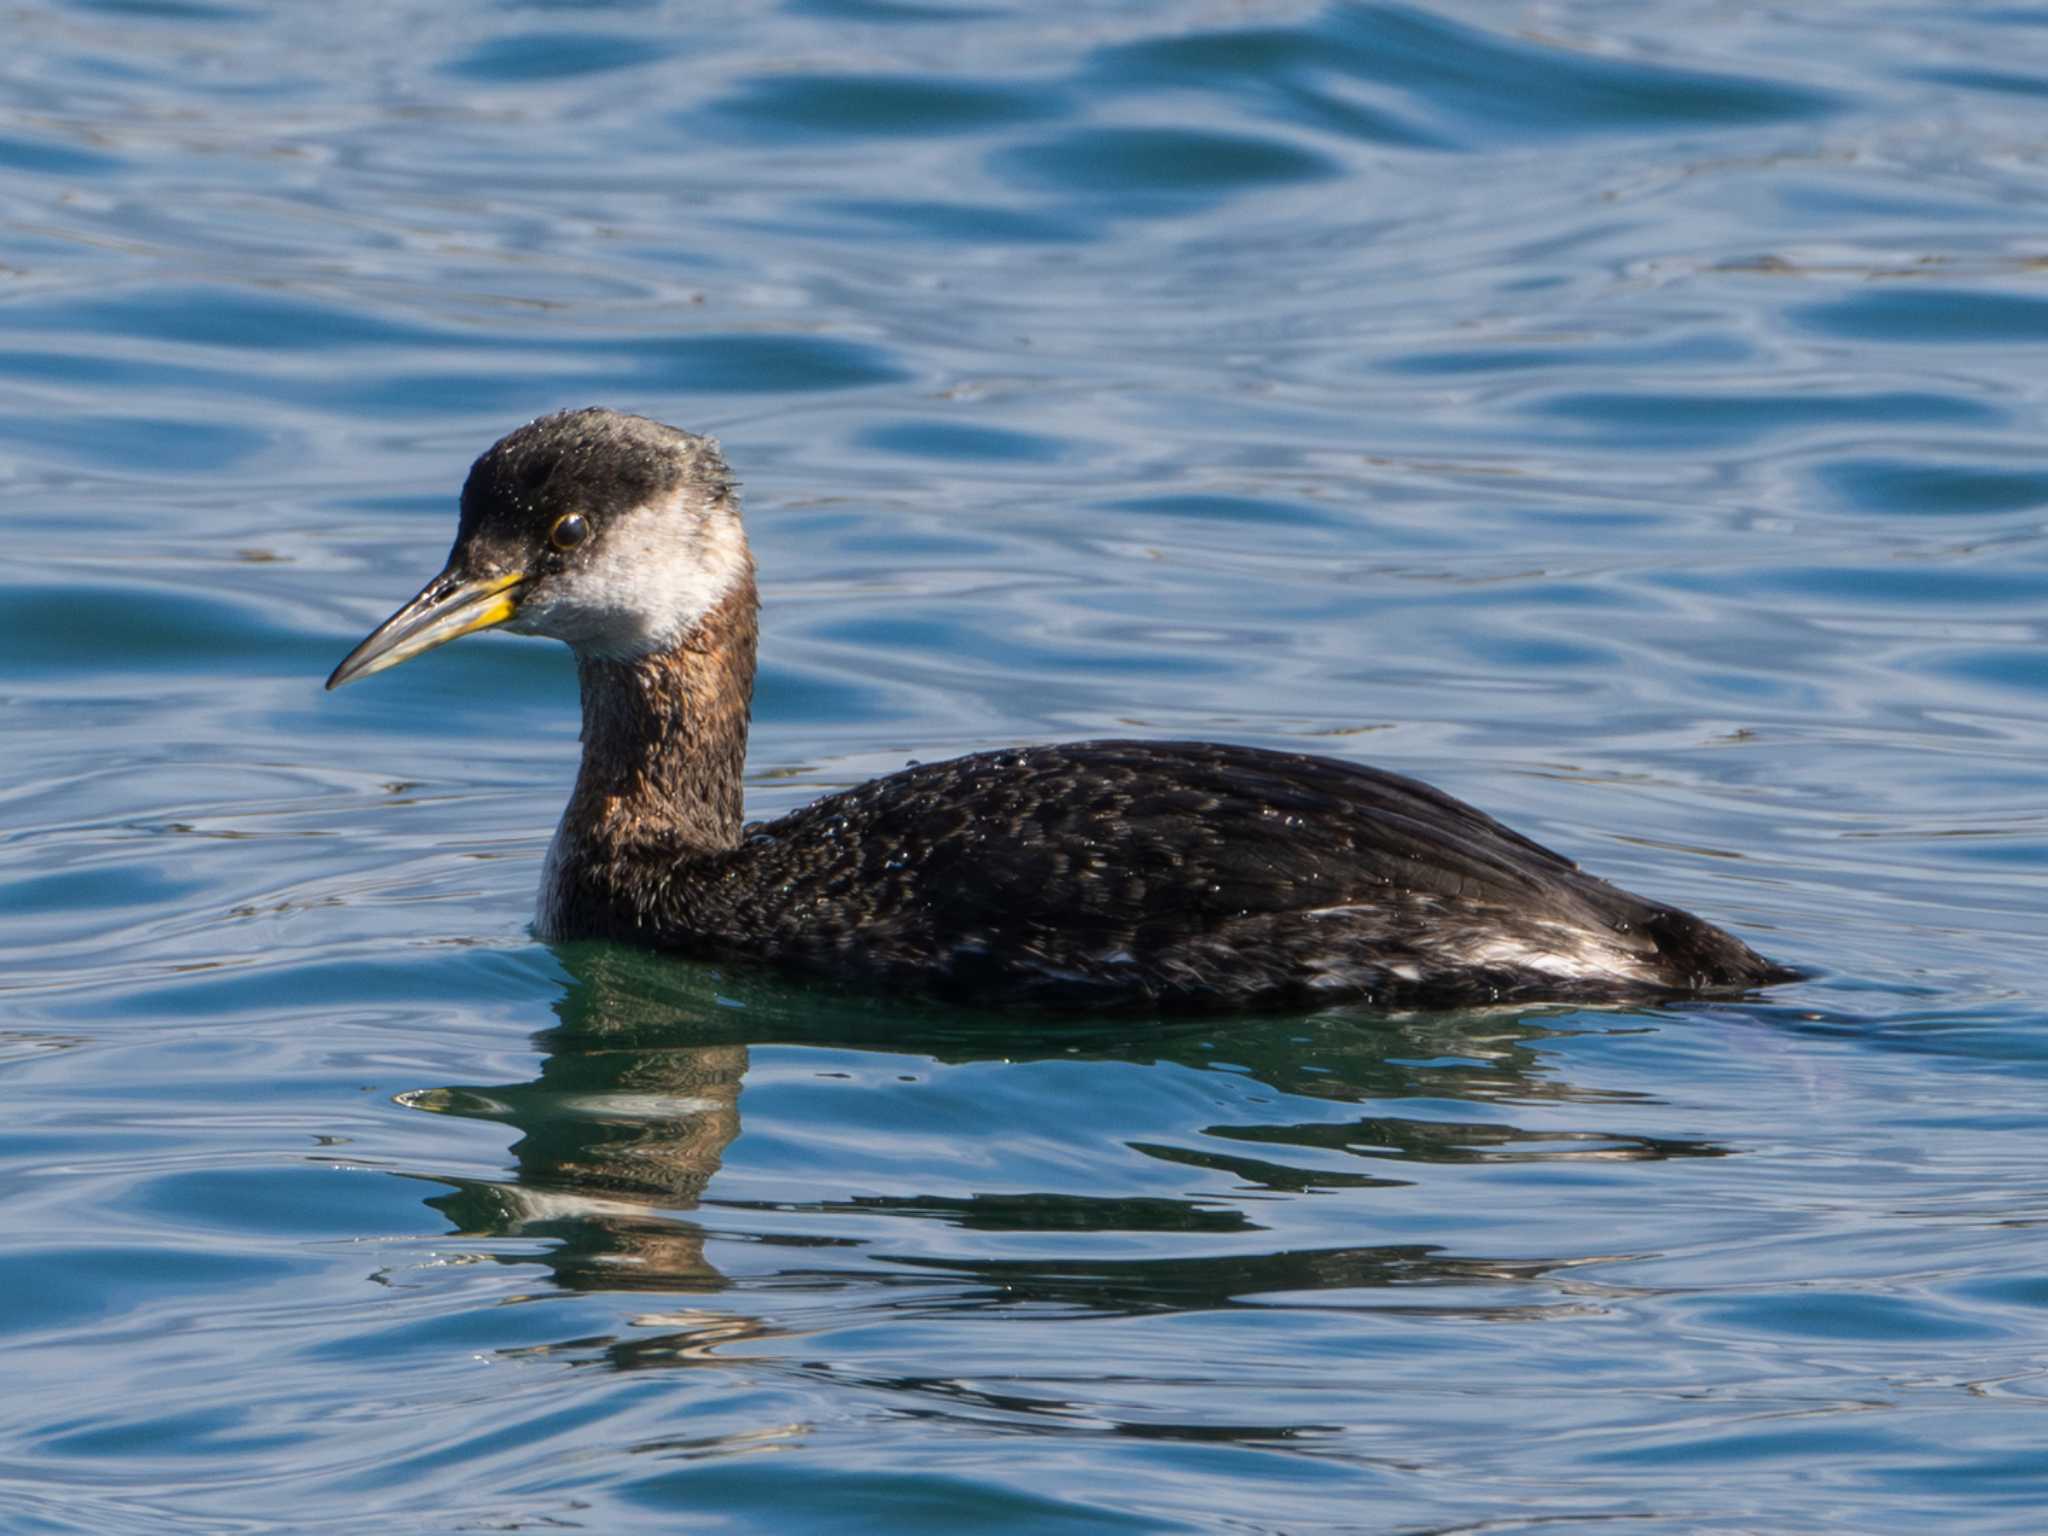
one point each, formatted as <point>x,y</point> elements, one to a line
<point>448,607</point>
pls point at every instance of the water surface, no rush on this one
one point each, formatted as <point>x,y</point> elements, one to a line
<point>1627,417</point>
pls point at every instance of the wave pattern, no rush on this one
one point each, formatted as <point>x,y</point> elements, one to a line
<point>1627,417</point>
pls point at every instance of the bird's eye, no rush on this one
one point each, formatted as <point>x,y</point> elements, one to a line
<point>569,530</point>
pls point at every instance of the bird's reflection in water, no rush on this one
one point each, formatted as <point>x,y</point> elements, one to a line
<point>639,1101</point>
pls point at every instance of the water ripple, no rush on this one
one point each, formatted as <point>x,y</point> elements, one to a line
<point>1624,417</point>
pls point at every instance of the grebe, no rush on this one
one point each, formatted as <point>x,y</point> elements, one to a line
<point>1159,875</point>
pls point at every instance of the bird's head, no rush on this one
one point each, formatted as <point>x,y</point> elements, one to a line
<point>612,533</point>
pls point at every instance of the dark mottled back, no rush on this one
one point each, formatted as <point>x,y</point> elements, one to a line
<point>1164,875</point>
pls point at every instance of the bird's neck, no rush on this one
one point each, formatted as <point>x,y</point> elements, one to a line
<point>665,737</point>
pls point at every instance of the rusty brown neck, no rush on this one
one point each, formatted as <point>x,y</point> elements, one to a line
<point>665,738</point>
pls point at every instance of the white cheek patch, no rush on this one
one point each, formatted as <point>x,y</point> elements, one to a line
<point>652,577</point>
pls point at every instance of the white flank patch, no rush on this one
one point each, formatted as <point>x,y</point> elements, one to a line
<point>650,578</point>
<point>1573,953</point>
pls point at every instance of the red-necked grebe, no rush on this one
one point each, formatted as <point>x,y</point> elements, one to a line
<point>1160,875</point>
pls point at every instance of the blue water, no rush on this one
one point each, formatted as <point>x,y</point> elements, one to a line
<point>1627,416</point>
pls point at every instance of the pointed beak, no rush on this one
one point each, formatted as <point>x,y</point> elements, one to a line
<point>448,607</point>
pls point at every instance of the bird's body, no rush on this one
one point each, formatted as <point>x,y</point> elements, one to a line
<point>1114,874</point>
